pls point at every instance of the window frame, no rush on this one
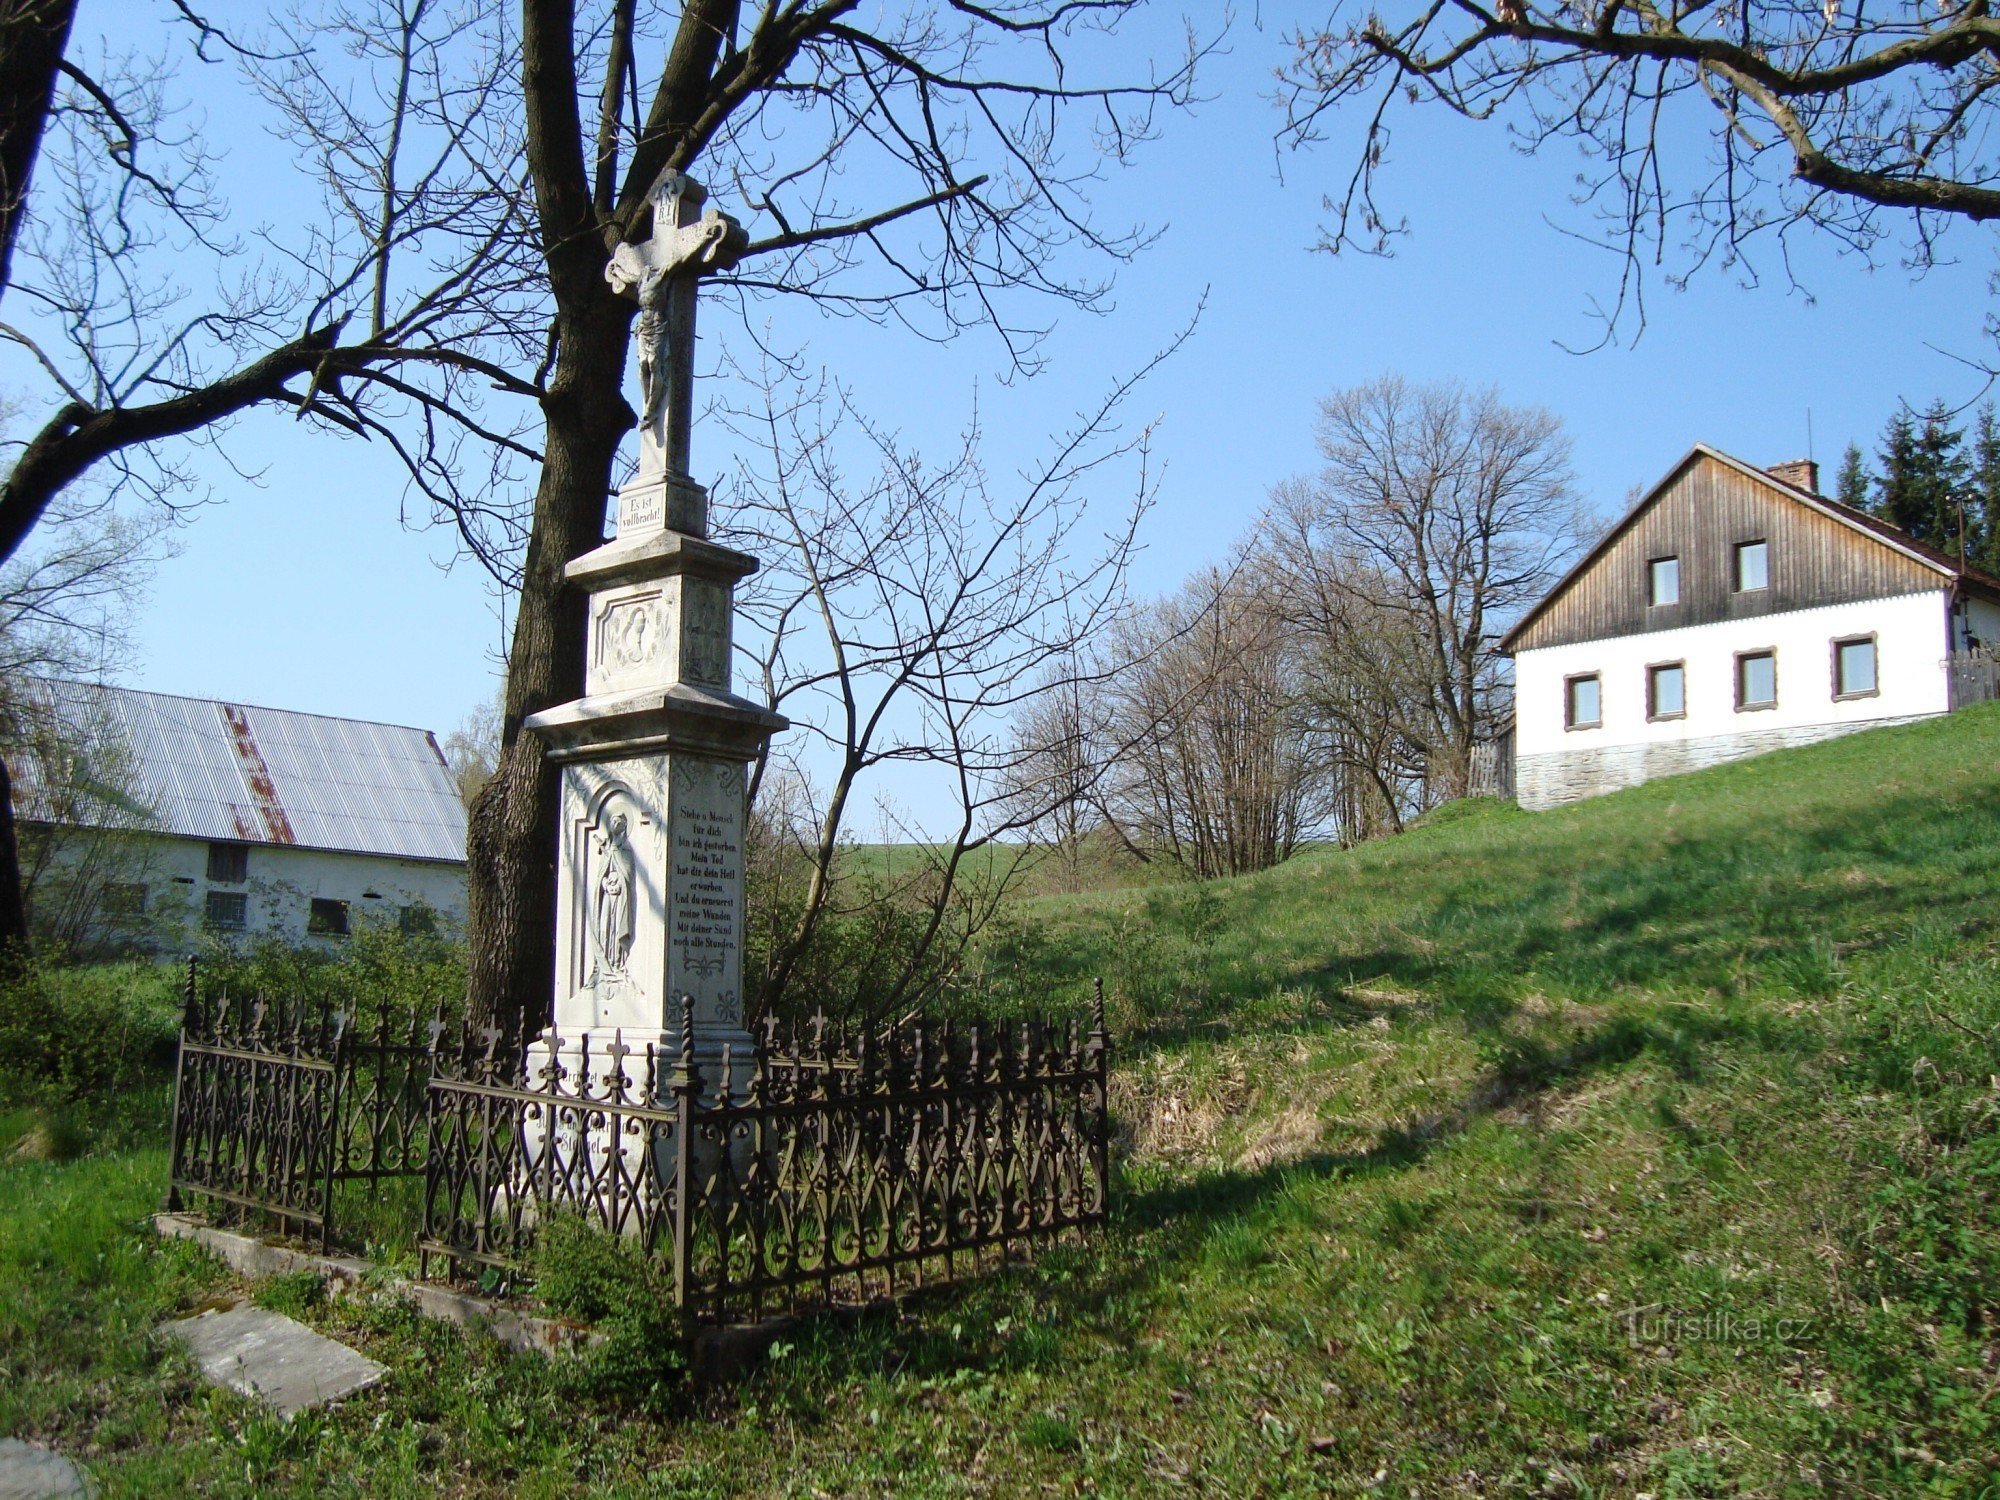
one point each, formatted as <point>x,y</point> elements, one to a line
<point>1653,602</point>
<point>1875,661</point>
<point>1570,721</point>
<point>214,923</point>
<point>235,856</point>
<point>1736,583</point>
<point>321,912</point>
<point>1653,669</point>
<point>122,900</point>
<point>1743,656</point>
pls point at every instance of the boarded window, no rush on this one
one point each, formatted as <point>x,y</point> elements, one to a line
<point>1663,581</point>
<point>1854,667</point>
<point>1753,566</point>
<point>227,911</point>
<point>327,918</point>
<point>1666,691</point>
<point>1585,705</point>
<point>123,900</point>
<point>228,864</point>
<point>1757,679</point>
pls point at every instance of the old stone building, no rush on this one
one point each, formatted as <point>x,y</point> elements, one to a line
<point>1733,610</point>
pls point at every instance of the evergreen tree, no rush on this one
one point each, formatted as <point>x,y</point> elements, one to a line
<point>1983,545</point>
<point>1850,487</point>
<point>1923,474</point>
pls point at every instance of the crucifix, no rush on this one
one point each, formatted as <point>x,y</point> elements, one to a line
<point>662,274</point>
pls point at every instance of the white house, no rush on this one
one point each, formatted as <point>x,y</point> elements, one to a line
<point>200,815</point>
<point>1733,610</point>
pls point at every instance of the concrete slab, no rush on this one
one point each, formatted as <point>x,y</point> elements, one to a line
<point>344,1276</point>
<point>273,1358</point>
<point>30,1472</point>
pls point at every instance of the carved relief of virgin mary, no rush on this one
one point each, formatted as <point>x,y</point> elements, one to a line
<point>612,903</point>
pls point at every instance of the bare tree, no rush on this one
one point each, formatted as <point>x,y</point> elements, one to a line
<point>922,165</point>
<point>399,312</point>
<point>33,34</point>
<point>1065,744</point>
<point>472,750</point>
<point>1214,773</point>
<point>905,614</point>
<point>66,608</point>
<point>1440,513</point>
<point>932,166</point>
<point>1702,126</point>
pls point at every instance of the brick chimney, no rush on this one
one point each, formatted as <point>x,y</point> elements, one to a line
<point>1800,474</point>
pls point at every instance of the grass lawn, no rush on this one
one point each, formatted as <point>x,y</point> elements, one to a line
<point>1646,1147</point>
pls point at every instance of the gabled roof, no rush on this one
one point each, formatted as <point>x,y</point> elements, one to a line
<point>1872,527</point>
<point>229,772</point>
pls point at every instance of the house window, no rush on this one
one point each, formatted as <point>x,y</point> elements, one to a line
<point>228,864</point>
<point>327,918</point>
<point>416,920</point>
<point>1854,667</point>
<point>1757,680</point>
<point>1584,705</point>
<point>1753,566</point>
<point>123,900</point>
<point>227,911</point>
<point>1666,691</point>
<point>1663,581</point>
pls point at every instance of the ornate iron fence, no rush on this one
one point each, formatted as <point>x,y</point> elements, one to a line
<point>274,1105</point>
<point>825,1164</point>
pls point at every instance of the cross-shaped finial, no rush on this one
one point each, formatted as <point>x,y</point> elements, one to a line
<point>661,273</point>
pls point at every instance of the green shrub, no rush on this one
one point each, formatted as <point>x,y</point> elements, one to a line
<point>379,972</point>
<point>85,1033</point>
<point>583,1272</point>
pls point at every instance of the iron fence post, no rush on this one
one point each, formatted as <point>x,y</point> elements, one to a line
<point>686,1083</point>
<point>330,1135</point>
<point>1100,1052</point>
<point>190,1016</point>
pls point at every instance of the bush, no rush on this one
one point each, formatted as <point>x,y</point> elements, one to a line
<point>84,1033</point>
<point>583,1272</point>
<point>379,972</point>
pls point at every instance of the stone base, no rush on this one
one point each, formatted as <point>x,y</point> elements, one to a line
<point>1555,778</point>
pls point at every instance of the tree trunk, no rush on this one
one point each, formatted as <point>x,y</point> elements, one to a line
<point>511,838</point>
<point>33,34</point>
<point>511,844</point>
<point>13,909</point>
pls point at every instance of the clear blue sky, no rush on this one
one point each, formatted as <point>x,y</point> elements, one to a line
<point>305,591</point>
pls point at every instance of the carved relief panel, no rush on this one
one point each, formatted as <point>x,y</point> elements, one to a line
<point>632,634</point>
<point>705,621</point>
<point>610,957</point>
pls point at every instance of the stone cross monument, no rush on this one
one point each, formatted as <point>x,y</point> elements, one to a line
<point>649,885</point>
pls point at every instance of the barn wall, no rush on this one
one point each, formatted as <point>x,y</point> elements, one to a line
<point>1699,518</point>
<point>280,884</point>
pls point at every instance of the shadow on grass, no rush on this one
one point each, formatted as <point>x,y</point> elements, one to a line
<point>959,1331</point>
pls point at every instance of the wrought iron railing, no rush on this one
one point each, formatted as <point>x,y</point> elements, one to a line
<point>276,1104</point>
<point>816,1165</point>
<point>824,1165</point>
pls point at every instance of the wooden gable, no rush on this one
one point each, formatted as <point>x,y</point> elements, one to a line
<point>1703,510</point>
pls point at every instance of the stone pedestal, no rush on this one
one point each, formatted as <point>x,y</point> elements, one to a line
<point>649,897</point>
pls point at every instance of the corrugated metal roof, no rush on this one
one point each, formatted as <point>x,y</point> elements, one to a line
<point>232,772</point>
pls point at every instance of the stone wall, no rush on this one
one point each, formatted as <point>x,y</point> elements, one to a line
<point>1552,779</point>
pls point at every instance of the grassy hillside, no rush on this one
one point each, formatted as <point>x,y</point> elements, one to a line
<point>1644,1147</point>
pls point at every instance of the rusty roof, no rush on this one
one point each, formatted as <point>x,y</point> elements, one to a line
<point>230,772</point>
